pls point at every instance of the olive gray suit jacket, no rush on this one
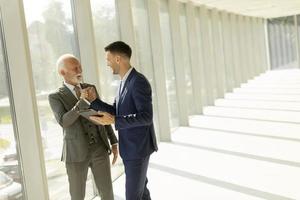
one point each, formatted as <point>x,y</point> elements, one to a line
<point>65,107</point>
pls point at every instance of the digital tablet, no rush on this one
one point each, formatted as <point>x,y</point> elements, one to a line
<point>89,112</point>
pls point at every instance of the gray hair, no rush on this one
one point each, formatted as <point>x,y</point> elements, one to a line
<point>60,63</point>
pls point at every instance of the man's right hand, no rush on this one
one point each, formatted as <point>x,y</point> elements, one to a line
<point>91,94</point>
<point>84,94</point>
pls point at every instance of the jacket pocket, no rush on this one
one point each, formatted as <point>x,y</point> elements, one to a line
<point>69,134</point>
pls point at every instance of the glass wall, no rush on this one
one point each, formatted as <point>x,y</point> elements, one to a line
<point>51,34</point>
<point>106,30</point>
<point>10,169</point>
<point>282,42</point>
<point>169,63</point>
<point>186,58</point>
<point>143,44</point>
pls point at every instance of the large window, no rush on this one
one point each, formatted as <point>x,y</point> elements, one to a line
<point>106,31</point>
<point>51,34</point>
<point>142,35</point>
<point>282,42</point>
<point>10,173</point>
<point>186,58</point>
<point>169,63</point>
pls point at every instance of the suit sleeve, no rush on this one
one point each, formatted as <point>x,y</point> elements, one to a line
<point>111,134</point>
<point>64,117</point>
<point>99,105</point>
<point>142,99</point>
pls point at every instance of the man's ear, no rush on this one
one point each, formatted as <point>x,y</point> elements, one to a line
<point>118,59</point>
<point>62,72</point>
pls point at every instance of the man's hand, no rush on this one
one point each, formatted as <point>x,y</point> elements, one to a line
<point>115,151</point>
<point>91,94</point>
<point>84,93</point>
<point>104,118</point>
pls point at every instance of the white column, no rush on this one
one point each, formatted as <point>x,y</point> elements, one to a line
<point>227,51</point>
<point>248,63</point>
<point>124,11</point>
<point>251,63</point>
<point>297,40</point>
<point>207,59</point>
<point>279,48</point>
<point>289,47</point>
<point>242,47</point>
<point>259,46</point>
<point>195,59</point>
<point>178,61</point>
<point>275,47</point>
<point>86,40</point>
<point>284,50</point>
<point>159,72</point>
<point>222,51</point>
<point>200,55</point>
<point>213,57</point>
<point>25,114</point>
<point>255,45</point>
<point>267,64</point>
<point>270,44</point>
<point>236,50</point>
<point>218,52</point>
<point>262,45</point>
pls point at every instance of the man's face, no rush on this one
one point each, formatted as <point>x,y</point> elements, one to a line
<point>72,71</point>
<point>113,61</point>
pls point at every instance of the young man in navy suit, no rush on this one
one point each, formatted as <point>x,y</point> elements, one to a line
<point>132,114</point>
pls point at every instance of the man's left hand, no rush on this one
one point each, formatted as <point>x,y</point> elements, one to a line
<point>115,151</point>
<point>104,118</point>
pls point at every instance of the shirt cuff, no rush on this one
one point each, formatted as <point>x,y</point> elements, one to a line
<point>86,101</point>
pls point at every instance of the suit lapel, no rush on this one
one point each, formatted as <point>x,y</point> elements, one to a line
<point>68,95</point>
<point>125,88</point>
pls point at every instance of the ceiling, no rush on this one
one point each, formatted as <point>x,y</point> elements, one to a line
<point>257,8</point>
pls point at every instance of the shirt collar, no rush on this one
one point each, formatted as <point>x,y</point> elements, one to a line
<point>126,75</point>
<point>71,87</point>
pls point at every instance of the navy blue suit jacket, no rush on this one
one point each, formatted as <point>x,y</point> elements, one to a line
<point>134,117</point>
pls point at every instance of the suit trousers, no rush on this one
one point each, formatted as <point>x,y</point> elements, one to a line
<point>136,179</point>
<point>98,161</point>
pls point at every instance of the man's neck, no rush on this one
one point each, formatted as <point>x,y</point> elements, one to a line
<point>123,72</point>
<point>70,83</point>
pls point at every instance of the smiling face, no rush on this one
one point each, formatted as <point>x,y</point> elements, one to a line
<point>72,71</point>
<point>113,61</point>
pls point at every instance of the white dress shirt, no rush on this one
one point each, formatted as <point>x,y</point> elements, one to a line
<point>72,88</point>
<point>121,86</point>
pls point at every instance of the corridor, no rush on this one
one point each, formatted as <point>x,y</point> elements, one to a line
<point>246,147</point>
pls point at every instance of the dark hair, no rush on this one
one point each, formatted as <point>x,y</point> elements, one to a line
<point>119,47</point>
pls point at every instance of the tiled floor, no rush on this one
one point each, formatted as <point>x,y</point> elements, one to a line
<point>245,147</point>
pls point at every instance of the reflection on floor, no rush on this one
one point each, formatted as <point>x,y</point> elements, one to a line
<point>247,146</point>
